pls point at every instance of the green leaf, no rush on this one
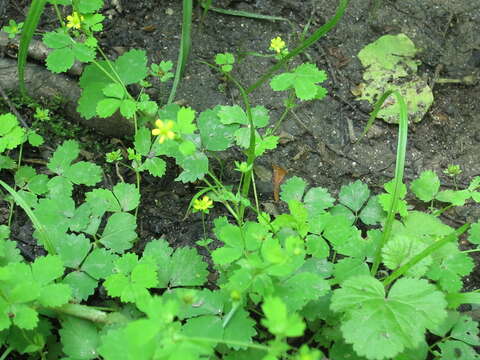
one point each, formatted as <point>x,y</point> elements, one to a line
<point>55,295</point>
<point>390,327</point>
<point>194,167</point>
<point>73,249</point>
<point>232,115</point>
<point>208,325</point>
<point>92,81</point>
<point>185,117</point>
<point>457,350</point>
<point>466,330</point>
<point>293,189</point>
<point>455,197</point>
<point>386,199</point>
<point>119,233</point>
<point>155,166</point>
<point>278,321</point>
<point>60,60</point>
<point>63,156</point>
<point>128,108</point>
<point>99,263</point>
<point>35,139</point>
<point>56,40</point>
<point>240,329</point>
<point>143,141</point>
<point>187,268</point>
<point>80,338</point>
<point>318,199</point>
<point>83,52</point>
<point>401,249</point>
<point>46,269</point>
<point>82,285</point>
<point>159,251</point>
<point>132,66</point>
<point>373,212</point>
<point>101,200</point>
<point>303,79</point>
<point>260,116</point>
<point>474,233</point>
<point>354,195</point>
<point>349,267</point>
<point>107,107</point>
<point>89,6</point>
<point>127,195</point>
<point>426,186</point>
<point>84,173</point>
<point>114,90</point>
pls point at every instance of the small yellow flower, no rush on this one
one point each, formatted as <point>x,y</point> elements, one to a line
<point>75,20</point>
<point>164,130</point>
<point>277,44</point>
<point>202,205</point>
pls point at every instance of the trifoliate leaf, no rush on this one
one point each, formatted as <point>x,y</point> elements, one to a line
<point>293,189</point>
<point>101,200</point>
<point>92,81</point>
<point>267,143</point>
<point>278,321</point>
<point>426,186</point>
<point>131,280</point>
<point>99,263</point>
<point>84,173</point>
<point>23,175</point>
<point>354,195</point>
<point>127,195</point>
<point>187,268</point>
<point>82,284</point>
<point>303,79</point>
<point>390,329</point>
<point>59,186</point>
<point>386,199</point>
<point>83,52</point>
<point>155,166</point>
<point>457,350</point>
<point>317,246</point>
<point>119,232</point>
<point>132,66</point>
<point>80,338</point>
<point>63,156</point>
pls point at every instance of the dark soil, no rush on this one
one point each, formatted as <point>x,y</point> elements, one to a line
<point>318,142</point>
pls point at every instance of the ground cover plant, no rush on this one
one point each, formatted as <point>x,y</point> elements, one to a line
<point>360,276</point>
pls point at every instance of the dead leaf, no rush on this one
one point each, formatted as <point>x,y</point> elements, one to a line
<point>278,176</point>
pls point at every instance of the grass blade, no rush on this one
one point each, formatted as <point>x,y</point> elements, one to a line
<point>36,223</point>
<point>399,168</point>
<point>185,45</point>
<point>29,27</point>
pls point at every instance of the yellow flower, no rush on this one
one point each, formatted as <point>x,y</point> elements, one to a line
<point>277,44</point>
<point>202,205</point>
<point>75,20</point>
<point>164,130</point>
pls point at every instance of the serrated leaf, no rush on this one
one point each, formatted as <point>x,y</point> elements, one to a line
<point>119,232</point>
<point>426,186</point>
<point>92,82</point>
<point>390,329</point>
<point>73,249</point>
<point>194,167</point>
<point>449,270</point>
<point>401,249</point>
<point>45,269</point>
<point>455,197</point>
<point>24,317</point>
<point>317,200</point>
<point>457,350</point>
<point>84,173</point>
<point>35,139</point>
<point>466,330</point>
<point>354,195</point>
<point>143,141</point>
<point>373,212</point>
<point>232,115</point>
<point>83,52</point>
<point>155,166</point>
<point>89,6</point>
<point>188,268</point>
<point>278,321</point>
<point>208,325</point>
<point>474,233</point>
<point>55,295</point>
<point>114,90</point>
<point>101,200</point>
<point>99,263</point>
<point>82,284</point>
<point>349,267</point>
<point>56,40</point>
<point>80,338</point>
<point>293,189</point>
<point>185,117</point>
<point>127,195</point>
<point>240,329</point>
<point>60,60</point>
<point>128,108</point>
<point>107,107</point>
<point>132,66</point>
<point>63,156</point>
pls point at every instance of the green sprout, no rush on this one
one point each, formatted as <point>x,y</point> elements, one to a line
<point>225,61</point>
<point>13,29</point>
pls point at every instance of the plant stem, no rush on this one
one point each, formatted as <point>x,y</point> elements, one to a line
<point>429,250</point>
<point>89,313</point>
<point>6,353</point>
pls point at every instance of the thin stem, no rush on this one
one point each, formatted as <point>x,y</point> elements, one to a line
<point>59,15</point>
<point>227,342</point>
<point>6,353</point>
<point>230,314</point>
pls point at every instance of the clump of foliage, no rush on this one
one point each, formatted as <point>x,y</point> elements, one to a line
<point>301,285</point>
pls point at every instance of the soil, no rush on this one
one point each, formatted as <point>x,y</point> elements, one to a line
<point>319,141</point>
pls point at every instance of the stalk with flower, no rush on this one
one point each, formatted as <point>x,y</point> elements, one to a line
<point>75,20</point>
<point>279,46</point>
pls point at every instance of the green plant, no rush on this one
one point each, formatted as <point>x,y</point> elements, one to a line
<point>363,276</point>
<point>13,29</point>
